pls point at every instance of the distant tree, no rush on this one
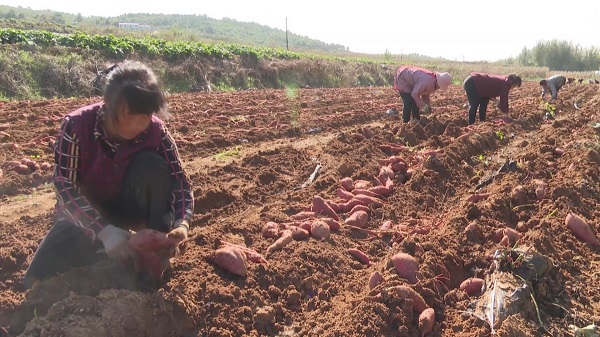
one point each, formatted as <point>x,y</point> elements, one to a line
<point>79,18</point>
<point>58,18</point>
<point>563,55</point>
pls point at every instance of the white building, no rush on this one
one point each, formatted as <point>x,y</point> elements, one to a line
<point>134,26</point>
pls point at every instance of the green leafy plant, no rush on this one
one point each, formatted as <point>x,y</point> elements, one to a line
<point>549,108</point>
<point>229,153</point>
<point>500,134</point>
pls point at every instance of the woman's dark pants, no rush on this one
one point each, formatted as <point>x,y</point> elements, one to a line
<point>144,198</point>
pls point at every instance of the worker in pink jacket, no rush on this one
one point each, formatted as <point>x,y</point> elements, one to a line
<point>415,85</point>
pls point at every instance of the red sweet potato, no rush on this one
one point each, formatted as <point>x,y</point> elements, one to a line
<point>45,166</point>
<point>232,259</point>
<point>472,286</point>
<point>383,190</point>
<point>150,240</point>
<point>360,256</point>
<point>540,189</point>
<point>386,226</point>
<point>368,200</point>
<point>362,184</point>
<point>350,204</point>
<point>22,169</point>
<point>303,215</point>
<point>426,320</point>
<point>347,183</point>
<point>333,224</point>
<point>398,167</point>
<point>321,207</point>
<point>580,228</point>
<point>299,233</point>
<point>360,191</point>
<point>320,230</point>
<point>409,293</point>
<point>286,238</point>
<point>270,230</point>
<point>375,279</point>
<point>357,219</point>
<point>385,173</point>
<point>151,263</point>
<point>406,266</point>
<point>359,208</point>
<point>344,195</point>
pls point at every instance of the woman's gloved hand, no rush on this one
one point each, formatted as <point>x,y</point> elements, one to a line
<point>115,243</point>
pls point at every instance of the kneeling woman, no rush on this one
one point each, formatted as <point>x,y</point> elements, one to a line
<point>116,168</point>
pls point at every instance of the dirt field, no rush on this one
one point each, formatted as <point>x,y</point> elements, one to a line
<point>248,153</point>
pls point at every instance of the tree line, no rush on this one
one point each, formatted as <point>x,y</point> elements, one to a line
<point>560,55</point>
<point>188,27</point>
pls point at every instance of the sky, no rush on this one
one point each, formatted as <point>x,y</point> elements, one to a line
<point>462,30</point>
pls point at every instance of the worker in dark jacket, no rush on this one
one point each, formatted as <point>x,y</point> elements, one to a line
<point>552,85</point>
<point>481,88</point>
<point>116,168</point>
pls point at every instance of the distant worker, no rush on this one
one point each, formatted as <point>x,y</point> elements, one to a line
<point>414,85</point>
<point>481,88</point>
<point>552,85</point>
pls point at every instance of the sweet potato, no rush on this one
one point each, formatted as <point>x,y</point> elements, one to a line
<point>360,191</point>
<point>333,224</point>
<point>320,230</point>
<point>232,259</point>
<point>347,183</point>
<point>385,173</point>
<point>409,293</point>
<point>426,320</point>
<point>360,256</point>
<point>151,263</point>
<point>375,279</point>
<point>398,167</point>
<point>386,226</point>
<point>270,230</point>
<point>320,207</point>
<point>45,166</point>
<point>150,240</point>
<point>580,228</point>
<point>359,208</point>
<point>344,195</point>
<point>303,215</point>
<point>357,219</point>
<point>350,204</point>
<point>362,184</point>
<point>383,191</point>
<point>540,189</point>
<point>286,238</point>
<point>299,233</point>
<point>368,200</point>
<point>406,266</point>
<point>22,169</point>
<point>472,286</point>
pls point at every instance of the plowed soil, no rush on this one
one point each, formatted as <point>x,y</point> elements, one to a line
<point>248,154</point>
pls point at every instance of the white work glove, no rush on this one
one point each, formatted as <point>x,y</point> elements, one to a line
<point>115,241</point>
<point>426,108</point>
<point>180,231</point>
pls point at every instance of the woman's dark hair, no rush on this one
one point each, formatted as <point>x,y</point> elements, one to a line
<point>515,79</point>
<point>134,84</point>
